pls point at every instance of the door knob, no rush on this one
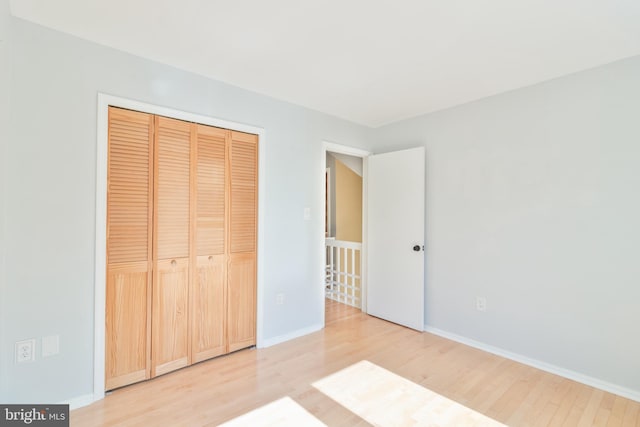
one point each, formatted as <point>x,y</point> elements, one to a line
<point>416,248</point>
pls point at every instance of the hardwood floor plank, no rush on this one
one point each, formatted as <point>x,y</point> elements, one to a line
<point>581,402</point>
<point>604,411</point>
<point>534,403</point>
<point>588,416</point>
<point>617,411</point>
<point>567,404</point>
<point>631,414</point>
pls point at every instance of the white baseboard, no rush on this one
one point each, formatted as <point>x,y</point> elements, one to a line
<point>80,401</point>
<point>291,335</point>
<point>566,373</point>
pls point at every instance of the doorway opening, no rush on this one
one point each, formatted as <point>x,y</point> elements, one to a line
<point>344,224</point>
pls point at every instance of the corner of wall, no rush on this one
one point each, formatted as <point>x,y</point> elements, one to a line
<point>291,335</point>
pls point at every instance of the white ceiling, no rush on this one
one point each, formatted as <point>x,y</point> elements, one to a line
<point>369,61</point>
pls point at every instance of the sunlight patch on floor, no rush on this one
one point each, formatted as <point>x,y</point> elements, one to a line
<point>283,412</point>
<point>385,399</point>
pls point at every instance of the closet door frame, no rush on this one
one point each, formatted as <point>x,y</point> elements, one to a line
<point>104,102</point>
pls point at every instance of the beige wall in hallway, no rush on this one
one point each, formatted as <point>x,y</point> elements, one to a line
<point>348,204</point>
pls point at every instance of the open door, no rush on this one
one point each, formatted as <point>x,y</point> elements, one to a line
<point>395,234</point>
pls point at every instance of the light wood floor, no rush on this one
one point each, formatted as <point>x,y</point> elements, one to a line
<point>222,389</point>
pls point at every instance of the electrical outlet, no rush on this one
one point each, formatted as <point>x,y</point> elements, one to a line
<point>280,299</point>
<point>481,304</point>
<point>26,351</point>
<point>307,214</point>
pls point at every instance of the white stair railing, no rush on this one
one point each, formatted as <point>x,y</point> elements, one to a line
<point>342,273</point>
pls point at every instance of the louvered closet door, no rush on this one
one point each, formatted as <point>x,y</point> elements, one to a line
<point>129,208</point>
<point>208,338</point>
<point>243,160</point>
<point>170,334</point>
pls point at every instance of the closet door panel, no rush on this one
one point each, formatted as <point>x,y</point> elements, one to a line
<point>170,316</point>
<point>242,301</point>
<point>211,190</point>
<point>126,324</point>
<point>129,237</point>
<point>209,291</point>
<point>129,189</point>
<point>244,192</point>
<point>170,335</point>
<point>209,338</point>
<point>243,153</point>
<point>172,196</point>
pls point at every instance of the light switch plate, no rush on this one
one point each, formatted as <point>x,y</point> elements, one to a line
<point>50,345</point>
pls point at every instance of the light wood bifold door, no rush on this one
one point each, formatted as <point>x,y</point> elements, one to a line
<point>210,280</point>
<point>181,244</point>
<point>129,244</point>
<point>242,235</point>
<point>170,324</point>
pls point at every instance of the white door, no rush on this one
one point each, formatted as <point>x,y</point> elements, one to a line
<point>395,235</point>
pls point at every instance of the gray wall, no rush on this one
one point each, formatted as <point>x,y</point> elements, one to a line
<point>51,200</point>
<point>5,73</point>
<point>533,201</point>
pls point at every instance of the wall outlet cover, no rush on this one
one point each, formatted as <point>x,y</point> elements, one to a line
<point>25,351</point>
